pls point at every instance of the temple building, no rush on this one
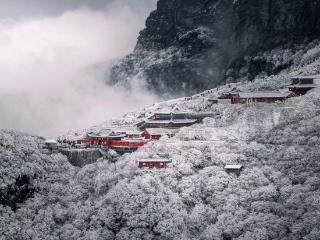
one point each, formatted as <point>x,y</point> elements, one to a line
<point>261,96</point>
<point>172,123</point>
<point>157,133</point>
<point>153,163</point>
<point>233,168</point>
<point>302,84</point>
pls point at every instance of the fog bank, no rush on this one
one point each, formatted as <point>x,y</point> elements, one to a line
<point>53,69</point>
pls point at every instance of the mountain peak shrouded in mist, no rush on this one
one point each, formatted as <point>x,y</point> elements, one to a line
<point>193,45</point>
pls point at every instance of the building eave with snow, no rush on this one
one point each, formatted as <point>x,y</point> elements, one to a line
<point>168,115</point>
<point>261,96</point>
<point>128,144</point>
<point>173,123</point>
<point>157,133</point>
<point>51,144</point>
<point>304,79</point>
<point>153,163</point>
<point>233,168</point>
<point>302,84</point>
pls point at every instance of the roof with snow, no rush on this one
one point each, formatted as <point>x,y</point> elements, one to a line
<point>306,77</point>
<point>264,94</point>
<point>105,132</point>
<point>233,167</point>
<point>134,140</point>
<point>160,131</point>
<point>126,129</point>
<point>93,134</point>
<point>211,98</point>
<point>121,131</point>
<point>310,85</point>
<point>51,141</point>
<point>172,113</point>
<point>177,121</point>
<point>153,160</point>
<point>174,110</point>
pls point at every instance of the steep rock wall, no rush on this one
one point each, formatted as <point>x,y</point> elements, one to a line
<point>190,45</point>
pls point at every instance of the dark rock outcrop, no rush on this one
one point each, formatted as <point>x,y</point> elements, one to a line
<point>22,190</point>
<point>191,45</point>
<point>26,168</point>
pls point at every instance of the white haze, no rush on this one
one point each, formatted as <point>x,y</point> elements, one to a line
<point>51,78</point>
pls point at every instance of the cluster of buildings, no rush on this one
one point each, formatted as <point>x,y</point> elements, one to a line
<point>252,97</point>
<point>128,139</point>
<point>149,163</point>
<point>300,85</point>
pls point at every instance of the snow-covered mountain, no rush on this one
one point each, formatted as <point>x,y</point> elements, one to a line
<point>192,45</point>
<point>276,195</point>
<point>205,48</point>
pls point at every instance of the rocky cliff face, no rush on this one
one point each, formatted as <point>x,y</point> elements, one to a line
<point>191,45</point>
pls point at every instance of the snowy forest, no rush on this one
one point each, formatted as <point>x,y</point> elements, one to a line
<point>275,196</point>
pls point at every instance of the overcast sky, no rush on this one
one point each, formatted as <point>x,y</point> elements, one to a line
<point>41,8</point>
<point>49,53</point>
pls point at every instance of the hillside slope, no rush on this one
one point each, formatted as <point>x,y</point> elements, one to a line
<point>193,45</point>
<point>27,169</point>
<point>275,197</point>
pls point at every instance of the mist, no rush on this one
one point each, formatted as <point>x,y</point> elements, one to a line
<point>53,70</point>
